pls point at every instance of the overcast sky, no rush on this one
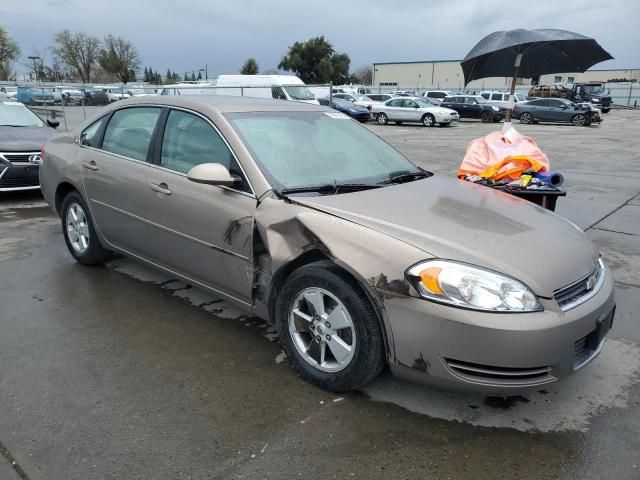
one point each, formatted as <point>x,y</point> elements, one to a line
<point>183,35</point>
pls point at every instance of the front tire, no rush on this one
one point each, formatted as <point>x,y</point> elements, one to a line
<point>579,120</point>
<point>526,118</point>
<point>486,117</point>
<point>79,232</point>
<point>382,119</point>
<point>328,328</point>
<point>428,120</point>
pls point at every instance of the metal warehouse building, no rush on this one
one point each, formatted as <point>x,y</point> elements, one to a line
<point>447,74</point>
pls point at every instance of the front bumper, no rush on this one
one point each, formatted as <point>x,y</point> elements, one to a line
<point>447,118</point>
<point>19,177</point>
<point>495,353</point>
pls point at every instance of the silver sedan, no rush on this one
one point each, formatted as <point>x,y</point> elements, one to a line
<point>413,110</point>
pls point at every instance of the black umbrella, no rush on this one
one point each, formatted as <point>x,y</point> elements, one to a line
<point>531,53</point>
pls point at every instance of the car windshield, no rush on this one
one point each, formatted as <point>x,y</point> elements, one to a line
<point>17,115</point>
<point>300,92</point>
<point>303,149</point>
<point>594,89</point>
<point>362,98</point>
<point>425,103</point>
<point>481,100</point>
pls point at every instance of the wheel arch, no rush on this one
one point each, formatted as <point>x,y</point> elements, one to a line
<point>62,190</point>
<point>316,255</point>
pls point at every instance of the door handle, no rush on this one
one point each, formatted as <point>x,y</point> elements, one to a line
<point>162,188</point>
<point>90,165</point>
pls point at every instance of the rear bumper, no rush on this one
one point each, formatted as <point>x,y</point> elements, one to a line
<point>497,354</point>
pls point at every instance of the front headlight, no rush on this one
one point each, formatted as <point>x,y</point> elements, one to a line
<point>495,108</point>
<point>471,287</point>
<point>595,99</point>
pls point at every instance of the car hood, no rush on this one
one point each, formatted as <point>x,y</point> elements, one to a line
<point>458,220</point>
<point>23,139</point>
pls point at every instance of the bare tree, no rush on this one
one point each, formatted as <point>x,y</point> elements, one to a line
<point>364,75</point>
<point>9,52</point>
<point>77,50</point>
<point>120,57</point>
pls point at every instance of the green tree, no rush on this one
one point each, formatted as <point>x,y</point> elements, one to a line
<point>186,77</point>
<point>193,77</point>
<point>78,50</point>
<point>316,61</point>
<point>9,52</point>
<point>250,67</point>
<point>199,76</point>
<point>119,56</point>
<point>146,75</point>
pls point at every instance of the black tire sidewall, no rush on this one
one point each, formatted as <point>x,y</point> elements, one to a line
<point>382,119</point>
<point>486,117</point>
<point>368,359</point>
<point>424,120</point>
<point>95,253</point>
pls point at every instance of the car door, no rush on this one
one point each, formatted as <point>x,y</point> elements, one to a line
<point>410,111</point>
<point>557,111</point>
<point>472,108</point>
<point>541,111</point>
<point>454,104</point>
<point>393,109</point>
<point>114,153</point>
<point>203,232</point>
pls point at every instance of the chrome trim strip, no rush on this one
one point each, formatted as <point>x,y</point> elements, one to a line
<point>17,189</point>
<point>166,229</point>
<point>593,355</point>
<point>591,293</point>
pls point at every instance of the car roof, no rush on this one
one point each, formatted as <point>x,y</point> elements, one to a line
<point>226,104</point>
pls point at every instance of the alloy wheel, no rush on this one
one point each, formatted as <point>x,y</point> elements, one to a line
<point>526,118</point>
<point>382,119</point>
<point>579,120</point>
<point>322,330</point>
<point>77,228</point>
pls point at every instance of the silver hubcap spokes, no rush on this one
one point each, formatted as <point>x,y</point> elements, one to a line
<point>525,118</point>
<point>77,228</point>
<point>382,119</point>
<point>428,121</point>
<point>322,330</point>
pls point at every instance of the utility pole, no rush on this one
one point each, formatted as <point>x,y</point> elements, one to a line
<point>35,66</point>
<point>206,71</point>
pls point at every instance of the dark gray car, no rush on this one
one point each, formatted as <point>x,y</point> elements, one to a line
<point>22,134</point>
<point>557,110</point>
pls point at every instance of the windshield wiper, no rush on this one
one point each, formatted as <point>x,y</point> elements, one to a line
<point>330,188</point>
<point>401,177</point>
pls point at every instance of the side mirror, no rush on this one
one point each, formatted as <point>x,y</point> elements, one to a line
<point>53,123</point>
<point>212,174</point>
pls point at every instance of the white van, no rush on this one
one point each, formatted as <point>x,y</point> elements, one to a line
<point>284,87</point>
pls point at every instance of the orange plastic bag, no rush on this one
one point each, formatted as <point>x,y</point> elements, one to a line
<point>495,157</point>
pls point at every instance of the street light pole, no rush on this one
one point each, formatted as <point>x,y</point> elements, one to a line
<point>35,67</point>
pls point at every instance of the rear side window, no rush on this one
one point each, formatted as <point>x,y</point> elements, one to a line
<point>189,140</point>
<point>89,135</point>
<point>485,96</point>
<point>130,130</point>
<point>395,103</point>
<point>496,96</point>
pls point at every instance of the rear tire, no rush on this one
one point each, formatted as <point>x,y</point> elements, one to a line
<point>382,119</point>
<point>79,232</point>
<point>428,120</point>
<point>486,117</point>
<point>313,297</point>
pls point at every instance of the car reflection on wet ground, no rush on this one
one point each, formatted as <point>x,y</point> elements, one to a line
<point>124,372</point>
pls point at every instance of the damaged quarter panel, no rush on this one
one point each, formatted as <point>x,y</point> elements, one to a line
<point>377,261</point>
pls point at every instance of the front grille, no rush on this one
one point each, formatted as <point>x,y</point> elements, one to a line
<point>491,374</point>
<point>573,295</point>
<point>18,157</point>
<point>19,182</point>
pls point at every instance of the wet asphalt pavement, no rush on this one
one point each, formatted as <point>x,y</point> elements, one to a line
<point>120,372</point>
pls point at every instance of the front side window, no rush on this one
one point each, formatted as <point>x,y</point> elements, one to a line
<point>130,130</point>
<point>189,140</point>
<point>89,135</point>
<point>496,96</point>
<point>309,148</point>
<point>485,95</point>
<point>409,104</point>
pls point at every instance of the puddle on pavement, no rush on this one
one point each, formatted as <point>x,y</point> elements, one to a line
<point>29,213</point>
<point>567,406</point>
